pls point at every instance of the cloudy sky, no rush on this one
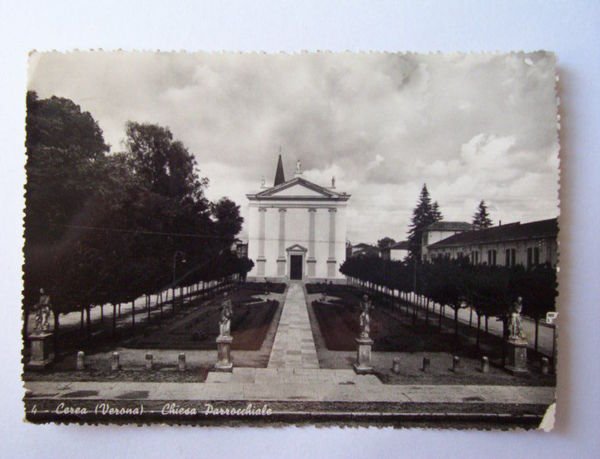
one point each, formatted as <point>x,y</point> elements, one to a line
<point>472,127</point>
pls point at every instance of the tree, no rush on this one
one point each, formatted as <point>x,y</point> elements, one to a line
<point>436,212</point>
<point>537,287</point>
<point>165,165</point>
<point>65,152</point>
<point>447,287</point>
<point>104,228</point>
<point>175,194</point>
<point>84,209</point>
<point>488,292</point>
<point>227,220</point>
<point>423,215</point>
<point>63,145</point>
<point>385,242</point>
<point>481,218</point>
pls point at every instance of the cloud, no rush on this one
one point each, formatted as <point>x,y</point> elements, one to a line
<point>471,126</point>
<point>375,162</point>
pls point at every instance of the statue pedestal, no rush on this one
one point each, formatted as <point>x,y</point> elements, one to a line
<point>517,356</point>
<point>42,350</point>
<point>224,362</point>
<point>363,356</point>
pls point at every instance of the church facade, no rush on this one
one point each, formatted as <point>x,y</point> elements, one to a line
<point>297,230</point>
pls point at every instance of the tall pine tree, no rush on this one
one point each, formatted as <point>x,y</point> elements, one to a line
<point>437,213</point>
<point>424,214</point>
<point>481,219</point>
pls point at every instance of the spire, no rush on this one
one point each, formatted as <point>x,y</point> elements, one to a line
<point>279,177</point>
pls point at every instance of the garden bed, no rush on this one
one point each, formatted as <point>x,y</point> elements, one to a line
<point>261,287</point>
<point>331,289</point>
<point>199,329</point>
<point>339,326</point>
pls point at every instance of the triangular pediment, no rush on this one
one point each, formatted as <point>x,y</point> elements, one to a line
<point>296,248</point>
<point>298,187</point>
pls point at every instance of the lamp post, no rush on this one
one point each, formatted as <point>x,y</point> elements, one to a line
<point>416,255</point>
<point>181,255</point>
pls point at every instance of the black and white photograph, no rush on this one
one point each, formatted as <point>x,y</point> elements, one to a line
<point>346,238</point>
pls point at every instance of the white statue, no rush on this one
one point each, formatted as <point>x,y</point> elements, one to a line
<point>515,327</point>
<point>226,314</point>
<point>298,167</point>
<point>365,318</point>
<point>42,313</point>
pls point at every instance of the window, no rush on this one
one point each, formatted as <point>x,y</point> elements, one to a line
<point>510,257</point>
<point>529,257</point>
<point>536,256</point>
<point>475,257</point>
<point>491,257</point>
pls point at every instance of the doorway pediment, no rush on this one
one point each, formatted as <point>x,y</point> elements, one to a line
<point>297,248</point>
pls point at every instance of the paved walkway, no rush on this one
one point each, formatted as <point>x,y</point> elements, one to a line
<point>294,346</point>
<point>292,385</point>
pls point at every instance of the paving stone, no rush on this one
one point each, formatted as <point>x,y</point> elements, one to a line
<point>315,391</point>
<point>218,377</point>
<point>294,346</point>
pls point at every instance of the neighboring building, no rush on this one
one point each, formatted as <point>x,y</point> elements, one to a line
<point>438,231</point>
<point>363,249</point>
<point>396,251</point>
<point>348,249</point>
<point>526,244</point>
<point>297,229</point>
<point>241,248</point>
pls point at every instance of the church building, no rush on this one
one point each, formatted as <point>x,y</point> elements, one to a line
<point>297,230</point>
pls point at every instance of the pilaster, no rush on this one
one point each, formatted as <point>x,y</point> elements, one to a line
<point>281,258</point>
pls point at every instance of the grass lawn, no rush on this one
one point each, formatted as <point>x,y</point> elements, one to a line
<point>198,328</point>
<point>394,330</point>
<point>261,287</point>
<point>339,325</point>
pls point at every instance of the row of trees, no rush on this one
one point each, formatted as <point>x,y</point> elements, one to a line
<point>106,227</point>
<point>489,290</point>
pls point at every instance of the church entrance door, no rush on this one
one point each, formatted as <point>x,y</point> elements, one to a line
<point>296,267</point>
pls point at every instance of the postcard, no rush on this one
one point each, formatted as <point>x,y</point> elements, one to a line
<point>311,238</point>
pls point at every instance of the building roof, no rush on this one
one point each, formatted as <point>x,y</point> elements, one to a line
<point>364,245</point>
<point>449,226</point>
<point>400,245</point>
<point>504,233</point>
<point>322,192</point>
